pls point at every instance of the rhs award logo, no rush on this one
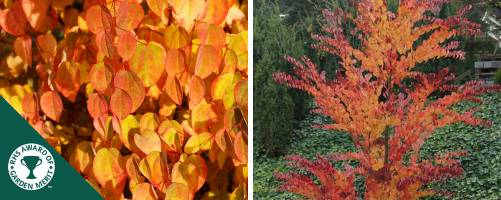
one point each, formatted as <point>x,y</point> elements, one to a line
<point>31,166</point>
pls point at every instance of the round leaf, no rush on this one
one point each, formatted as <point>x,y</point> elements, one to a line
<point>109,169</point>
<point>148,62</point>
<point>120,104</point>
<point>67,80</point>
<point>129,15</point>
<point>100,77</point>
<point>208,60</point>
<point>97,105</point>
<point>22,47</point>
<point>52,105</point>
<point>130,83</point>
<point>175,62</point>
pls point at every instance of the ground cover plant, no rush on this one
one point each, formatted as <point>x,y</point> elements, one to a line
<point>383,103</point>
<point>146,99</point>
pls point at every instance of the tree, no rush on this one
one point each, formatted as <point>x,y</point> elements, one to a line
<point>379,98</point>
<point>275,111</point>
<point>146,99</point>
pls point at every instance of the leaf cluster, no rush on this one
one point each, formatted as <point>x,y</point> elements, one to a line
<point>146,99</point>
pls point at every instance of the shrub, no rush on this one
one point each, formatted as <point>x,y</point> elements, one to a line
<point>388,120</point>
<point>146,99</point>
<point>497,77</point>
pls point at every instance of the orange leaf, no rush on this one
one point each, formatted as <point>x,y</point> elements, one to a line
<point>100,77</point>
<point>154,167</point>
<point>120,104</point>
<point>82,157</point>
<point>30,106</point>
<point>224,142</point>
<point>211,34</point>
<point>22,47</point>
<point>132,168</point>
<point>208,59</point>
<point>186,11</point>
<point>230,62</point>
<point>157,6</point>
<point>173,89</point>
<point>143,191</point>
<point>109,169</point>
<point>197,91</point>
<point>102,124</point>
<point>52,105</point>
<point>176,37</point>
<point>216,11</point>
<point>240,147</point>
<point>241,92</point>
<point>175,62</point>
<point>126,44</point>
<point>148,62</point>
<point>178,191</point>
<point>47,46</point>
<point>129,15</point>
<point>97,105</point>
<point>190,170</point>
<point>36,12</point>
<point>13,20</point>
<point>99,19</point>
<point>130,83</point>
<point>105,44</point>
<point>148,141</point>
<point>172,140</point>
<point>201,114</point>
<point>67,80</point>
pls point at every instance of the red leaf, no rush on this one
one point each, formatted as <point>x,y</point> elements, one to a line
<point>13,20</point>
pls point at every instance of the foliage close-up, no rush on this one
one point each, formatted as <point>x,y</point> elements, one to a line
<point>145,99</point>
<point>388,108</point>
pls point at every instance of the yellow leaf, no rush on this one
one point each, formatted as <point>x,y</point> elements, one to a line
<point>198,142</point>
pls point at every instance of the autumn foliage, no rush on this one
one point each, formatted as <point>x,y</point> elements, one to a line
<point>379,98</point>
<point>146,99</point>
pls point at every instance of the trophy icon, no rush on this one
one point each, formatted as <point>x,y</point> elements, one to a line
<point>31,162</point>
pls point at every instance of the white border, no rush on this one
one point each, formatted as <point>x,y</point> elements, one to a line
<point>250,68</point>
